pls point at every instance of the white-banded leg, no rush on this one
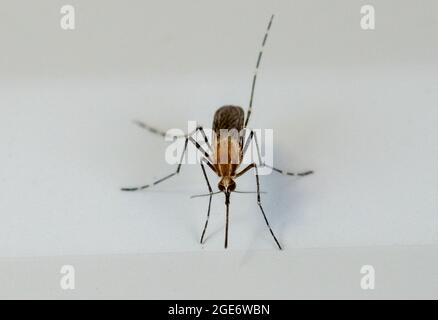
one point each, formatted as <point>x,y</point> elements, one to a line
<point>211,195</point>
<point>253,165</point>
<point>254,79</point>
<point>251,136</point>
<point>187,139</point>
<point>164,134</point>
<point>288,173</point>
<point>156,131</point>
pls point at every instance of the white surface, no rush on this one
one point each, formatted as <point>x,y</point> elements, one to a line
<point>329,273</point>
<point>357,107</point>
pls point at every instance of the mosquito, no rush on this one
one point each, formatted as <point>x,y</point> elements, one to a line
<point>229,146</point>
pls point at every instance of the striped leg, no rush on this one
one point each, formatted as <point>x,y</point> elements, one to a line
<point>155,130</point>
<point>164,134</point>
<point>188,138</point>
<point>254,79</point>
<point>253,165</point>
<point>211,195</point>
<point>252,135</point>
<point>288,173</point>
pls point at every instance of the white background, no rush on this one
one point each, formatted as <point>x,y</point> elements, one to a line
<point>358,107</point>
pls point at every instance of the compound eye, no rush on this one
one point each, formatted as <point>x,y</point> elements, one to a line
<point>232,186</point>
<point>221,187</point>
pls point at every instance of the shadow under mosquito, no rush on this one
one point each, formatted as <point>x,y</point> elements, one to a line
<point>287,207</point>
<point>282,207</point>
<point>282,202</point>
<point>216,231</point>
<point>198,224</point>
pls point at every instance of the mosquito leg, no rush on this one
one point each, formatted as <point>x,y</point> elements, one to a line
<point>287,173</point>
<point>254,79</point>
<point>174,137</point>
<point>200,128</point>
<point>152,129</point>
<point>209,201</point>
<point>253,165</point>
<point>164,134</point>
<point>248,141</point>
<point>164,178</point>
<point>198,146</point>
<point>227,219</point>
<point>262,164</point>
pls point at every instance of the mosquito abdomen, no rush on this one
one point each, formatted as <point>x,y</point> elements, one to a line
<point>228,117</point>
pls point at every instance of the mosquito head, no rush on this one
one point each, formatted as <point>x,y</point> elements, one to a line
<point>227,185</point>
